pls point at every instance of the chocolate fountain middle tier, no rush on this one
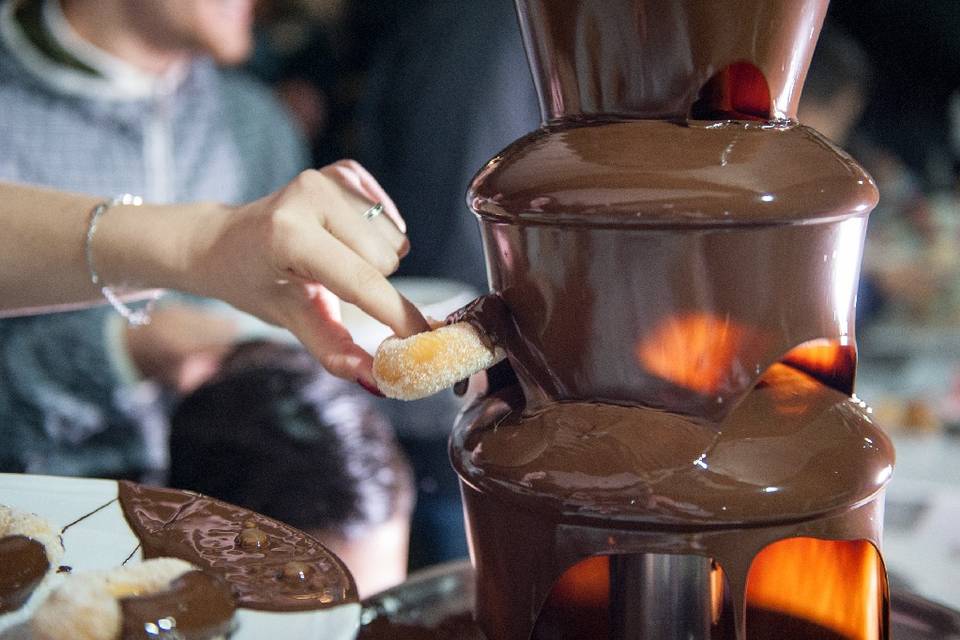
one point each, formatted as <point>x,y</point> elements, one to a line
<point>670,264</point>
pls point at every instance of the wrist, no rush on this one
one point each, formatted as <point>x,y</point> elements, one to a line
<point>155,246</point>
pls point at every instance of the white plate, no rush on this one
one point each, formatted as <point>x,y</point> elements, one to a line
<point>104,540</point>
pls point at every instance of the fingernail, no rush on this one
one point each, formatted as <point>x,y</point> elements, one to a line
<point>370,388</point>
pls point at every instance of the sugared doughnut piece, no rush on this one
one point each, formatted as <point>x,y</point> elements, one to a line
<point>29,548</point>
<point>162,598</point>
<point>423,364</point>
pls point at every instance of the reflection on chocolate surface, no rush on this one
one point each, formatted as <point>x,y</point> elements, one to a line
<point>195,607</point>
<point>650,59</point>
<point>649,173</point>
<point>23,563</point>
<point>603,238</point>
<point>209,533</point>
<point>792,449</point>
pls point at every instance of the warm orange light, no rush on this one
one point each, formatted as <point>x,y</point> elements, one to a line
<point>826,360</point>
<point>836,584</point>
<point>586,583</point>
<point>577,604</point>
<point>792,389</point>
<point>695,351</point>
<point>738,91</point>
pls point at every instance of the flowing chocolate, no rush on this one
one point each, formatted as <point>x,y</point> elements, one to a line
<point>195,607</point>
<point>214,536</point>
<point>677,258</point>
<point>23,564</point>
<point>543,492</point>
<point>647,59</point>
<point>601,260</point>
<point>793,449</point>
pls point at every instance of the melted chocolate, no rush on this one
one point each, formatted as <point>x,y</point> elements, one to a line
<point>598,302</point>
<point>210,534</point>
<point>195,607</point>
<point>794,448</point>
<point>23,564</point>
<point>545,491</point>
<point>677,259</point>
<point>657,59</point>
<point>655,173</point>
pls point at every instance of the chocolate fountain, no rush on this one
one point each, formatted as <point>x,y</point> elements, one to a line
<point>673,261</point>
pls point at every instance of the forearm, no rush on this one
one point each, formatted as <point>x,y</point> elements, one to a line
<point>42,247</point>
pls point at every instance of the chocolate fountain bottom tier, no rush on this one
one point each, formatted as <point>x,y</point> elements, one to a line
<point>793,449</point>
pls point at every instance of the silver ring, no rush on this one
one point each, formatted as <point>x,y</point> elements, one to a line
<point>373,211</point>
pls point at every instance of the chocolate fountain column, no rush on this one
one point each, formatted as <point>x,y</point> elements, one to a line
<point>659,597</point>
<point>677,258</point>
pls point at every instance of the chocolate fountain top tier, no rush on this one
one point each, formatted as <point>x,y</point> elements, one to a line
<point>655,173</point>
<point>656,59</point>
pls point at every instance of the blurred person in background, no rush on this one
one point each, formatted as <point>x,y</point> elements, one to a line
<point>332,467</point>
<point>115,96</point>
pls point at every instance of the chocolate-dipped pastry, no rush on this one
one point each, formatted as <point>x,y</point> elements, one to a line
<point>29,547</point>
<point>163,598</point>
<point>23,564</point>
<point>196,606</point>
<point>250,552</point>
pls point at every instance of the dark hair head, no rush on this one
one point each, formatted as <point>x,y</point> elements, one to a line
<point>273,432</point>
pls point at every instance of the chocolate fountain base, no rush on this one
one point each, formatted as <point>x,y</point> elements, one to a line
<point>435,604</point>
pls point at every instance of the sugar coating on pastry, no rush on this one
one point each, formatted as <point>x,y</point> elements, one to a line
<point>87,605</point>
<point>14,522</point>
<point>425,363</point>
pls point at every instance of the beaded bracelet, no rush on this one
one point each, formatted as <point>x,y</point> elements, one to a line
<point>134,317</point>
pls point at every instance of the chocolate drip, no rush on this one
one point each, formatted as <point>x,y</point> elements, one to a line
<point>23,564</point>
<point>794,448</point>
<point>612,245</point>
<point>195,607</point>
<point>212,535</point>
<point>679,260</point>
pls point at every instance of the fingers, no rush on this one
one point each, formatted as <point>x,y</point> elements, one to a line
<point>336,194</point>
<point>334,346</point>
<point>379,247</point>
<point>317,256</point>
<point>353,172</point>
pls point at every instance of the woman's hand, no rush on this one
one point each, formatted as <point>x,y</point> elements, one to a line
<point>288,257</point>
